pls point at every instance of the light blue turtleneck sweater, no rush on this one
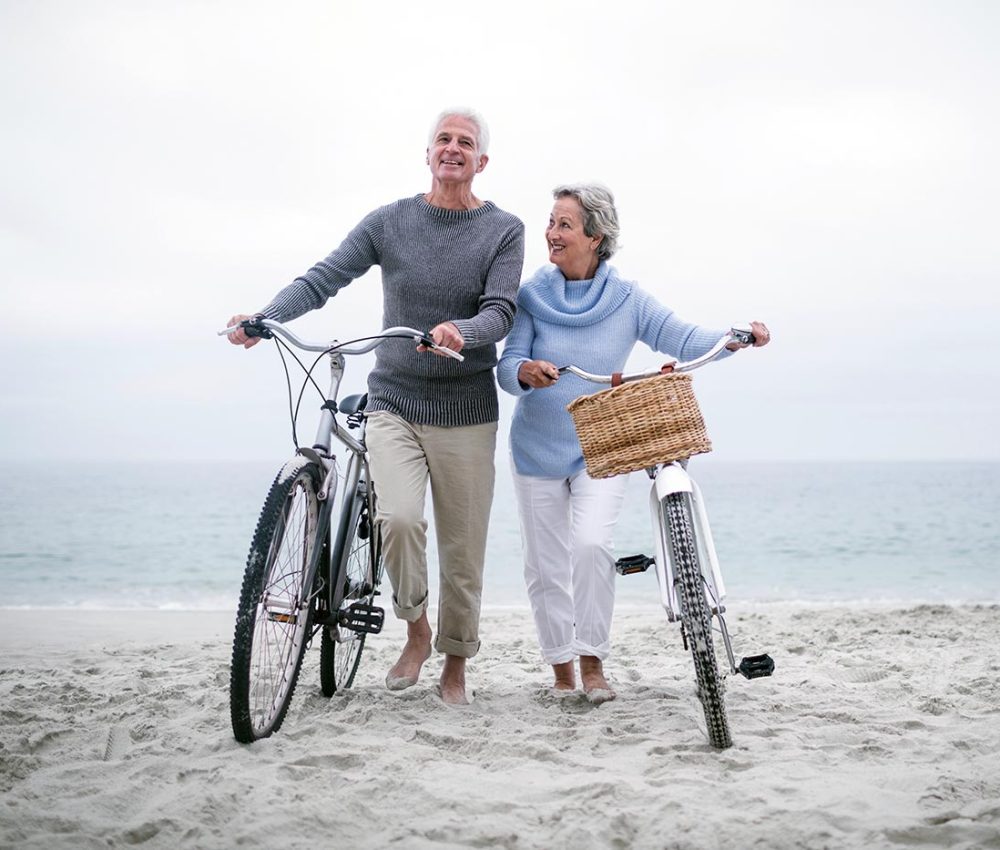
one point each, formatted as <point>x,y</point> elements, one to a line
<point>593,324</point>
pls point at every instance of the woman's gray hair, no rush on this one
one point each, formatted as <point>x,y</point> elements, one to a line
<point>482,129</point>
<point>600,218</point>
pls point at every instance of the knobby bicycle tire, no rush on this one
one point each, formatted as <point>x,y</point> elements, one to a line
<point>359,549</point>
<point>273,623</point>
<point>697,619</point>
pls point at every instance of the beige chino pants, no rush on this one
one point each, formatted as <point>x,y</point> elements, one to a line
<point>458,464</point>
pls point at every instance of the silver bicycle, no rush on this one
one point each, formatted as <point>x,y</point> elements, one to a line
<point>687,569</point>
<point>315,562</point>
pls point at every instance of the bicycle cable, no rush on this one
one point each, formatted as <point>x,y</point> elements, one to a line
<point>293,409</point>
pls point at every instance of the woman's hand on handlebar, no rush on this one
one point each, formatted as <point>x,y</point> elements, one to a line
<point>447,336</point>
<point>239,336</point>
<point>761,336</point>
<point>538,373</point>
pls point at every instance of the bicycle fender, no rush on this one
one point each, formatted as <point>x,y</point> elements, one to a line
<point>672,478</point>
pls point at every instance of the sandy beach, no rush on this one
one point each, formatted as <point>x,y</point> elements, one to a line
<point>880,728</point>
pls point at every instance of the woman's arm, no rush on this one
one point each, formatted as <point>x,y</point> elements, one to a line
<point>664,331</point>
<point>516,351</point>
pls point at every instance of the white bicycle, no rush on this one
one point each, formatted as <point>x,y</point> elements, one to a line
<point>687,569</point>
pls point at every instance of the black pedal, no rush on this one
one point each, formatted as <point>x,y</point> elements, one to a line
<point>633,564</point>
<point>755,666</point>
<point>362,617</point>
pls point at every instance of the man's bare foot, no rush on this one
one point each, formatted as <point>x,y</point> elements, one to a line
<point>565,676</point>
<point>417,649</point>
<point>595,686</point>
<point>453,681</point>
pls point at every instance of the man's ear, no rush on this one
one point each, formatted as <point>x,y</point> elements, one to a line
<point>483,159</point>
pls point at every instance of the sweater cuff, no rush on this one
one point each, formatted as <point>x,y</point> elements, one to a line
<point>470,333</point>
<point>507,377</point>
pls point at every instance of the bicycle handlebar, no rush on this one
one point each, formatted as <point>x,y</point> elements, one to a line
<point>266,328</point>
<point>737,334</point>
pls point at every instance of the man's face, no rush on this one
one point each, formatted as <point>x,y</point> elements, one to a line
<point>454,155</point>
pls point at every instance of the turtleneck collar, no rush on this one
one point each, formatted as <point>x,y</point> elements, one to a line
<point>547,295</point>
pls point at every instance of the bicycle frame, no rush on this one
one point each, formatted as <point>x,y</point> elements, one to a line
<point>356,473</point>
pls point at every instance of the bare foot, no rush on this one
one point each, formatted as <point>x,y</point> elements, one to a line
<point>595,686</point>
<point>453,681</point>
<point>565,676</point>
<point>417,649</point>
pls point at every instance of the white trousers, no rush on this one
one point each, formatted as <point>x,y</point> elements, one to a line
<point>567,526</point>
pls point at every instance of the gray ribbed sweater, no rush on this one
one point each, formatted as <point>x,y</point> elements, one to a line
<point>437,265</point>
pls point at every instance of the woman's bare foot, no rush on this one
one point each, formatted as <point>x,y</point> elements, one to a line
<point>595,686</point>
<point>453,681</point>
<point>565,676</point>
<point>417,649</point>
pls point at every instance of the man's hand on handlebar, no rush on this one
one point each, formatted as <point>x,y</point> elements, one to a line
<point>239,336</point>
<point>445,335</point>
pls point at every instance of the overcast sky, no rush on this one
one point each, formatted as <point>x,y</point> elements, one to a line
<point>830,168</point>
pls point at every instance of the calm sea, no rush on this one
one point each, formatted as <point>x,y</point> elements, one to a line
<point>175,536</point>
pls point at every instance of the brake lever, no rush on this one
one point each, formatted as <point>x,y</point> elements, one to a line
<point>426,341</point>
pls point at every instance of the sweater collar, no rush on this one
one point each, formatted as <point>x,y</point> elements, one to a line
<point>546,296</point>
<point>441,212</point>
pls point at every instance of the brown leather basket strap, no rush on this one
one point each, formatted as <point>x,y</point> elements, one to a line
<point>616,379</point>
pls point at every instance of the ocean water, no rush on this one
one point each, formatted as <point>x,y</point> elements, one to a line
<point>175,536</point>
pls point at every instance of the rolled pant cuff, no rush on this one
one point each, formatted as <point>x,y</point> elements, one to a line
<point>558,654</point>
<point>411,615</point>
<point>601,652</point>
<point>459,648</point>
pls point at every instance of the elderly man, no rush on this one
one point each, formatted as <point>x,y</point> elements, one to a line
<point>450,262</point>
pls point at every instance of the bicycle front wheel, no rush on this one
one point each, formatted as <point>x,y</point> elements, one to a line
<point>359,547</point>
<point>697,618</point>
<point>275,610</point>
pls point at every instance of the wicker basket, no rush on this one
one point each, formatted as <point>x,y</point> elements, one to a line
<point>639,424</point>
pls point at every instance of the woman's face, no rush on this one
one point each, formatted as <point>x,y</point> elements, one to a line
<point>572,250</point>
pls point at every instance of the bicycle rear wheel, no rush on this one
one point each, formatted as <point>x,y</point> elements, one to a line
<point>697,618</point>
<point>359,545</point>
<point>275,609</point>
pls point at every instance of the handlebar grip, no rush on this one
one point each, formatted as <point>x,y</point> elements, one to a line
<point>425,340</point>
<point>253,328</point>
<point>744,335</point>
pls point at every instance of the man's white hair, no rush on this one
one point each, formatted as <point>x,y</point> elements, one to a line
<point>482,130</point>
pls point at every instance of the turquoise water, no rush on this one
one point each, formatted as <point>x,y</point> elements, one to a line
<point>175,536</point>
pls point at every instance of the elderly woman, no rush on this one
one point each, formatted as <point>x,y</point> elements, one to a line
<point>580,311</point>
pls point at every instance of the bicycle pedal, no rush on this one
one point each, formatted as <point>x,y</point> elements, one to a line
<point>755,666</point>
<point>631,564</point>
<point>362,617</point>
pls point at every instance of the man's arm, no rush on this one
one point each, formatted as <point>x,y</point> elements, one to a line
<point>356,254</point>
<point>497,303</point>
